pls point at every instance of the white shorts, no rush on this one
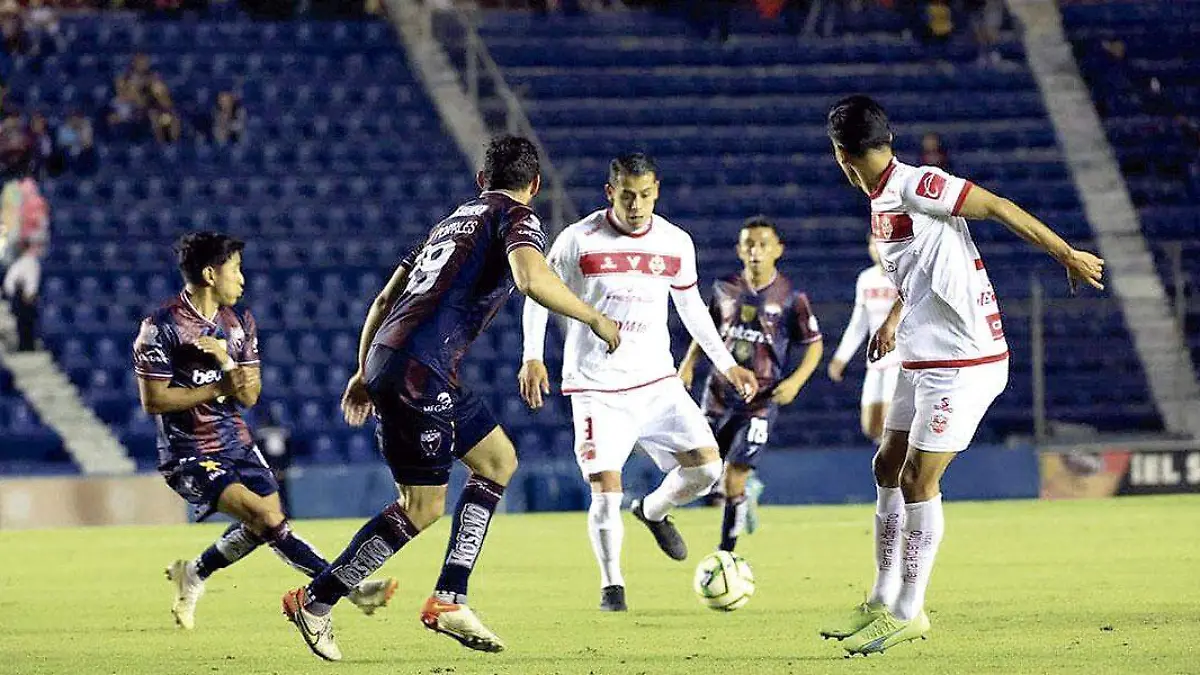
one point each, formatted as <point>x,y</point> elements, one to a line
<point>661,419</point>
<point>941,408</point>
<point>879,385</point>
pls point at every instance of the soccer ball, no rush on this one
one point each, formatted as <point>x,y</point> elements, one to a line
<point>724,581</point>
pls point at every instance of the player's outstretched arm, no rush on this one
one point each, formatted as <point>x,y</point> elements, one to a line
<point>158,397</point>
<point>694,314</point>
<point>1081,265</point>
<point>537,281</point>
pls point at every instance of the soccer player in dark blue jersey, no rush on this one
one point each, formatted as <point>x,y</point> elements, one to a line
<point>761,315</point>
<point>197,363</point>
<point>440,298</point>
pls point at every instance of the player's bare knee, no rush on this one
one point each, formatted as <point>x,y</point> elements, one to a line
<point>887,469</point>
<point>918,485</point>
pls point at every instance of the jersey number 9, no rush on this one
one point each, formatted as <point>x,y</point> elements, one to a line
<point>428,266</point>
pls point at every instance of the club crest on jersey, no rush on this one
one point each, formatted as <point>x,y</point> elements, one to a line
<point>658,265</point>
<point>938,423</point>
<point>931,186</point>
<point>431,441</point>
<point>743,351</point>
<point>586,451</point>
<point>748,313</point>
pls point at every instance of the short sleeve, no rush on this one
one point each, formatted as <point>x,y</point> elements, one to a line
<point>805,328</point>
<point>687,276</point>
<point>521,227</point>
<point>247,354</point>
<point>152,351</point>
<point>409,260</point>
<point>934,192</point>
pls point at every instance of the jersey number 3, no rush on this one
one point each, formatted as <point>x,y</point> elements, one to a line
<point>428,266</point>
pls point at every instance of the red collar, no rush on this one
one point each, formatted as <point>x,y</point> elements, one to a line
<point>612,222</point>
<point>883,179</point>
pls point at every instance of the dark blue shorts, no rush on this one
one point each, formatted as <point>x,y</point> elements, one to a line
<point>200,480</point>
<point>742,434</point>
<point>425,422</point>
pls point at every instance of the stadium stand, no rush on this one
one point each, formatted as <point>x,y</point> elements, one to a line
<point>345,165</point>
<point>738,128</point>
<point>1137,60</point>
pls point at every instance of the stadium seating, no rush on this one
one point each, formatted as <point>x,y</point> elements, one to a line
<point>29,446</point>
<point>1138,59</point>
<point>346,165</point>
<point>738,129</point>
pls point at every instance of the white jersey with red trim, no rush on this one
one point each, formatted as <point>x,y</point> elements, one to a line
<point>874,295</point>
<point>951,318</point>
<point>628,278</point>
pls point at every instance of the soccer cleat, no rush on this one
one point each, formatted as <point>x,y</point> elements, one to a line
<point>612,599</point>
<point>317,631</point>
<point>754,490</point>
<point>664,531</point>
<point>459,622</point>
<point>858,618</point>
<point>372,595</point>
<point>188,589</point>
<point>885,632</point>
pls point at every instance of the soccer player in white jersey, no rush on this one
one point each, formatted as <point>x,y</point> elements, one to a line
<point>946,326</point>
<point>874,295</point>
<point>626,261</point>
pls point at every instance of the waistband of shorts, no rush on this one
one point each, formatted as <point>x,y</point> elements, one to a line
<point>568,392</point>
<point>955,363</point>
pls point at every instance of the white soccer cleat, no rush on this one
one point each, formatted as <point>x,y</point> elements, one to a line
<point>188,589</point>
<point>372,595</point>
<point>459,622</point>
<point>317,631</point>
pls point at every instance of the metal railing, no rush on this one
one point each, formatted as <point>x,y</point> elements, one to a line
<point>501,107</point>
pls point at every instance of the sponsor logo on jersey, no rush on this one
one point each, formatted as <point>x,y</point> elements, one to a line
<point>469,211</point>
<point>747,335</point>
<point>931,186</point>
<point>996,326</point>
<point>431,441</point>
<point>203,377</point>
<point>772,308</point>
<point>629,262</point>
<point>891,227</point>
<point>444,404</point>
<point>944,405</point>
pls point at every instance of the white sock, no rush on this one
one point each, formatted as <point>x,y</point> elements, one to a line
<point>889,522</point>
<point>923,531</point>
<point>680,486</point>
<point>606,531</point>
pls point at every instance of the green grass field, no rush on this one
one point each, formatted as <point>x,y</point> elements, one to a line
<point>1025,587</point>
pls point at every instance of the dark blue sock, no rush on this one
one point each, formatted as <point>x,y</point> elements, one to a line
<point>729,523</point>
<point>235,543</point>
<point>375,542</point>
<point>295,551</point>
<point>471,519</point>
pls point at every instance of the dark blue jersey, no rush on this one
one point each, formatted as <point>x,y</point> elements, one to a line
<point>165,350</point>
<point>458,279</point>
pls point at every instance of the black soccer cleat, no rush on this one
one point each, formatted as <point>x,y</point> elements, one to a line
<point>664,531</point>
<point>612,599</point>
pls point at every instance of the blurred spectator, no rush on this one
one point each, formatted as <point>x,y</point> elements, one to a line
<point>16,147</point>
<point>76,144</point>
<point>164,119</point>
<point>21,283</point>
<point>228,119</point>
<point>42,29</point>
<point>939,22</point>
<point>125,112</point>
<point>42,144</point>
<point>933,153</point>
<point>140,77</point>
<point>987,17</point>
<point>12,27</point>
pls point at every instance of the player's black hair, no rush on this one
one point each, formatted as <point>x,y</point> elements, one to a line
<point>198,250</point>
<point>631,164</point>
<point>858,124</point>
<point>510,163</point>
<point>754,222</point>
